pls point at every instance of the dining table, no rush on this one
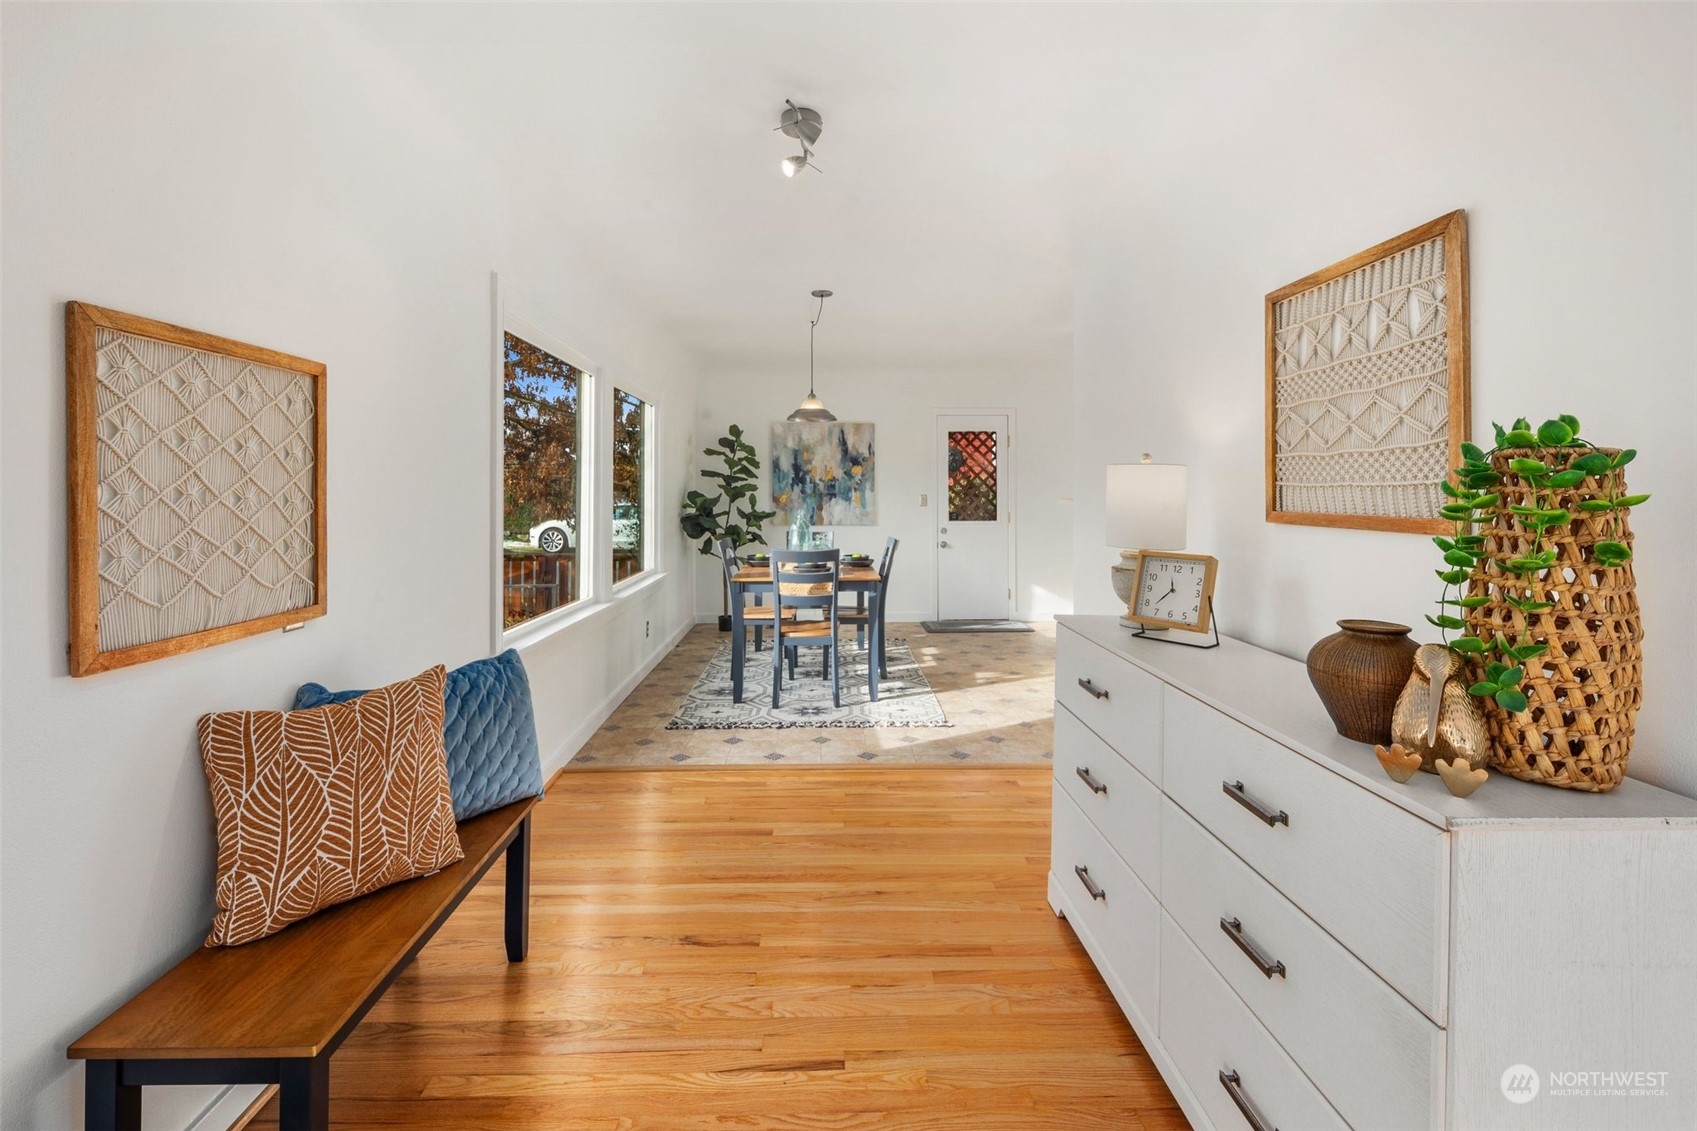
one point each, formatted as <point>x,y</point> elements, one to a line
<point>757,578</point>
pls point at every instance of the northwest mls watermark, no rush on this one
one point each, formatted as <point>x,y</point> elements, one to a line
<point>1522,1084</point>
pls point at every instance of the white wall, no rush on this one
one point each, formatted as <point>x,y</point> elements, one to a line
<point>255,172</point>
<point>1309,133</point>
<point>902,398</point>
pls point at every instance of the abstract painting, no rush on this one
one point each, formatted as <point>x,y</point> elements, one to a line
<point>196,489</point>
<point>827,469</point>
<point>1367,384</point>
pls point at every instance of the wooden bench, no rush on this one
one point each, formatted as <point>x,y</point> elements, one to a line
<point>273,1011</point>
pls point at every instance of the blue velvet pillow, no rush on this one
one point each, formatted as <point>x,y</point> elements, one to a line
<point>488,727</point>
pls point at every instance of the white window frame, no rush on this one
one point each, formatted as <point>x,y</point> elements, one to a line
<point>650,479</point>
<point>597,595</point>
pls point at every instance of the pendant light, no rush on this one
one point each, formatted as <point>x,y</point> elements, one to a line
<point>812,410</point>
<point>805,125</point>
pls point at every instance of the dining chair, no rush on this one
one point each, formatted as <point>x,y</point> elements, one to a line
<point>792,590</point>
<point>859,616</point>
<point>756,616</point>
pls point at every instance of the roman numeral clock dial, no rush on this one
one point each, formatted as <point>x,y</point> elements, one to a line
<point>1173,590</point>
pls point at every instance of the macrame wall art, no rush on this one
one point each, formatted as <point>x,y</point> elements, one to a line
<point>1367,384</point>
<point>196,489</point>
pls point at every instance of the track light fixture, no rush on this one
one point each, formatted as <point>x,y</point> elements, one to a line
<point>805,125</point>
<point>812,410</point>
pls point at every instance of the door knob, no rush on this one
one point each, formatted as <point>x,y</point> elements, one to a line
<point>944,545</point>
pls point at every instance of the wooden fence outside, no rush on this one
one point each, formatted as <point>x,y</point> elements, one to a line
<point>533,584</point>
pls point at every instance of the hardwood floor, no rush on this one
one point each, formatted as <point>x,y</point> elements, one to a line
<point>846,948</point>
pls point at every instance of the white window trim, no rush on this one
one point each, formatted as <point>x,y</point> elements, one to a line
<point>597,596</point>
<point>651,556</point>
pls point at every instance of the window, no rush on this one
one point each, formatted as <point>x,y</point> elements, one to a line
<point>972,477</point>
<point>541,490</point>
<point>632,423</point>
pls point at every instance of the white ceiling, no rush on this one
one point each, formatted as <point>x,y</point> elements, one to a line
<point>959,142</point>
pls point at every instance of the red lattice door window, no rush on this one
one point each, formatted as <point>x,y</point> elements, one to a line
<point>972,477</point>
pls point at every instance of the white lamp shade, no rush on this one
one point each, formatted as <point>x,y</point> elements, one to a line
<point>1146,505</point>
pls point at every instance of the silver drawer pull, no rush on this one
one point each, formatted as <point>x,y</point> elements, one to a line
<point>1268,966</point>
<point>1084,776</point>
<point>1092,688</point>
<point>1234,790</point>
<point>1233,1084</point>
<point>1090,885</point>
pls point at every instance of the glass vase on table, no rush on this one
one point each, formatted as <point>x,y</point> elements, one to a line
<point>801,529</point>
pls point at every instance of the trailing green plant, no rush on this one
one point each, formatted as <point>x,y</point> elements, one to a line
<point>734,512</point>
<point>1557,460</point>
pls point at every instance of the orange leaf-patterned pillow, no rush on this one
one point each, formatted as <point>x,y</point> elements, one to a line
<point>318,806</point>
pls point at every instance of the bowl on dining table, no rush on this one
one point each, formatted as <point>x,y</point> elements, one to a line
<point>857,559</point>
<point>757,559</point>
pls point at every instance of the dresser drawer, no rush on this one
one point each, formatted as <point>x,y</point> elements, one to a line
<point>1117,799</point>
<point>1113,697</point>
<point>1374,876</point>
<point>1121,928</point>
<point>1378,1059</point>
<point>1210,1034</point>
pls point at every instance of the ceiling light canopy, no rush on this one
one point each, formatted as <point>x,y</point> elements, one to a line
<point>805,125</point>
<point>812,410</point>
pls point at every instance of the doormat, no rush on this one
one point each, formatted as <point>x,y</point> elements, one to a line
<point>937,626</point>
<point>905,699</point>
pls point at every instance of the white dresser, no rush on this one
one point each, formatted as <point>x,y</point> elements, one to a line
<point>1302,943</point>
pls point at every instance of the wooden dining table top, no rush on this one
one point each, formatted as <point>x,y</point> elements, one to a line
<point>847,575</point>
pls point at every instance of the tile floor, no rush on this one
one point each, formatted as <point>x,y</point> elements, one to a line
<point>996,688</point>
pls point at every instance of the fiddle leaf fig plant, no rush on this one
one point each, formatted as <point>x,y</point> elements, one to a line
<point>1557,461</point>
<point>734,512</point>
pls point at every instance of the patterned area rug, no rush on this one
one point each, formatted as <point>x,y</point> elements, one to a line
<point>905,699</point>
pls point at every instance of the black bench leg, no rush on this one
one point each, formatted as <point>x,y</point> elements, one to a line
<point>107,1104</point>
<point>303,1093</point>
<point>518,893</point>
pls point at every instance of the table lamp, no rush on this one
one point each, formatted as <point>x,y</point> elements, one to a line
<point>1146,504</point>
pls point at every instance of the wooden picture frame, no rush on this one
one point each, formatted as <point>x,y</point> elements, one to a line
<point>196,489</point>
<point>1379,289</point>
<point>1205,607</point>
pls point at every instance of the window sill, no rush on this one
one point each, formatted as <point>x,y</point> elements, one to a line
<point>647,579</point>
<point>571,618</point>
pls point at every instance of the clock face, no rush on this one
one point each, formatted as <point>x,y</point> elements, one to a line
<point>1172,590</point>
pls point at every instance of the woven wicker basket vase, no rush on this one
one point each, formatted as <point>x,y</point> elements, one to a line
<point>1584,692</point>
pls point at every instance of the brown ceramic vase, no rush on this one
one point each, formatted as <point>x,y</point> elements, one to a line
<point>1359,672</point>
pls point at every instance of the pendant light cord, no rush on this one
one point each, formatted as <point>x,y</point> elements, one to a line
<point>810,328</point>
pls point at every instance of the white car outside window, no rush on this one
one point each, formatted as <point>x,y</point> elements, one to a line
<point>555,535</point>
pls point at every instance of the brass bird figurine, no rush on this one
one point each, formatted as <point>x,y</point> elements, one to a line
<point>1436,718</point>
<point>1461,778</point>
<point>1400,764</point>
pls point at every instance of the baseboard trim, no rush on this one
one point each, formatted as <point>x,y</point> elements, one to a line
<point>233,1108</point>
<point>575,741</point>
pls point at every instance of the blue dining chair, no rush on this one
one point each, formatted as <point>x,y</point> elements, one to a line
<point>755,616</point>
<point>858,616</point>
<point>793,590</point>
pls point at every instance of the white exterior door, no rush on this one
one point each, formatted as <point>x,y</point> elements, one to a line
<point>974,517</point>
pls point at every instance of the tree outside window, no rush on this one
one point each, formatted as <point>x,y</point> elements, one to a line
<point>541,510</point>
<point>630,486</point>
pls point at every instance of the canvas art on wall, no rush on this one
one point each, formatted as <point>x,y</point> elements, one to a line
<point>196,469</point>
<point>1367,384</point>
<point>826,468</point>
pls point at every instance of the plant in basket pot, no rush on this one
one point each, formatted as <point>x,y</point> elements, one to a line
<point>1538,573</point>
<point>734,512</point>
